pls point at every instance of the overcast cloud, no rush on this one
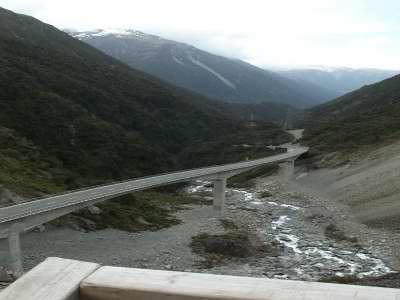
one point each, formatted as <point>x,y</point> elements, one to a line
<point>352,33</point>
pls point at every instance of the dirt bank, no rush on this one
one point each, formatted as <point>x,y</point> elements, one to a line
<point>368,183</point>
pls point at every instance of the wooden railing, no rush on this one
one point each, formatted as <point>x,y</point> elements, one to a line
<point>60,279</point>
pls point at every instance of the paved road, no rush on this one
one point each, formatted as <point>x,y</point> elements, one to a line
<point>91,195</point>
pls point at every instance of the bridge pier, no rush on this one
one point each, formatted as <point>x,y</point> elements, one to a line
<point>14,248</point>
<point>15,220</point>
<point>219,195</point>
<point>286,170</point>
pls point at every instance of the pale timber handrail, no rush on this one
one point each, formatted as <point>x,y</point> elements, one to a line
<point>63,279</point>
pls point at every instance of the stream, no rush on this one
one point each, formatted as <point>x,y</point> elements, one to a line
<point>307,253</point>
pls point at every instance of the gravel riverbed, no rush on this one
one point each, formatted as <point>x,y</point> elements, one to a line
<point>299,223</point>
<point>277,212</point>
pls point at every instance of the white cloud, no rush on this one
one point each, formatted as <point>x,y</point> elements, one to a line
<point>357,33</point>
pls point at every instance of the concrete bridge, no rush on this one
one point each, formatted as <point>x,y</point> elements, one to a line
<point>17,219</point>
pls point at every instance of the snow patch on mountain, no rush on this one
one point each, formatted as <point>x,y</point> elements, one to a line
<point>177,60</point>
<point>215,73</point>
<point>115,31</point>
<point>118,32</point>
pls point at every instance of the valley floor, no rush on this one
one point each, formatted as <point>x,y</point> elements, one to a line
<point>313,238</point>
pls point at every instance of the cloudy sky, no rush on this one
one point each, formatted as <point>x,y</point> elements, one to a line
<point>352,33</point>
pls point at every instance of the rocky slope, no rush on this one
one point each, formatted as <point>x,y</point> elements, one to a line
<point>208,74</point>
<point>368,184</point>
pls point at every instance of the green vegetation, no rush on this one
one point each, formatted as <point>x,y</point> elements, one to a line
<point>335,233</point>
<point>72,117</point>
<point>265,194</point>
<point>228,224</point>
<point>247,179</point>
<point>231,244</point>
<point>348,279</point>
<point>391,280</point>
<point>243,144</point>
<point>234,243</point>
<point>365,118</point>
<point>89,119</point>
<point>23,168</point>
<point>215,249</point>
<point>134,212</point>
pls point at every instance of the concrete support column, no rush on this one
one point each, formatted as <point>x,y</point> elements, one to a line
<point>15,253</point>
<point>287,170</point>
<point>219,194</point>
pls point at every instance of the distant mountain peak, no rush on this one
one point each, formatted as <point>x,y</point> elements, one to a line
<point>340,79</point>
<point>329,69</point>
<point>117,32</point>
<point>211,75</point>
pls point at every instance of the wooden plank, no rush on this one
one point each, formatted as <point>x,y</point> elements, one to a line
<point>111,283</point>
<point>54,279</point>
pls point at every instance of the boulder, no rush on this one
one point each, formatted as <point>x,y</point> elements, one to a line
<point>7,197</point>
<point>142,221</point>
<point>4,276</point>
<point>94,210</point>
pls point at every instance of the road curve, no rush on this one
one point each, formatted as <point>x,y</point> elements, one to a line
<point>90,195</point>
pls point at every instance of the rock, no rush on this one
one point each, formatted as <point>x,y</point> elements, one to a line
<point>4,276</point>
<point>8,197</point>
<point>142,221</point>
<point>41,228</point>
<point>80,223</point>
<point>285,238</point>
<point>94,210</point>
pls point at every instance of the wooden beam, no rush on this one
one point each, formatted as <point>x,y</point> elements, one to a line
<point>111,283</point>
<point>54,279</point>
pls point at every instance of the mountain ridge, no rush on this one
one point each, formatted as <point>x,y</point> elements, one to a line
<point>214,76</point>
<point>340,80</point>
<point>365,118</point>
<point>82,117</point>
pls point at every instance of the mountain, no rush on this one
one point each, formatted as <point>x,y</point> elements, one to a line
<point>365,118</point>
<point>276,113</point>
<point>339,80</point>
<point>211,75</point>
<point>72,116</point>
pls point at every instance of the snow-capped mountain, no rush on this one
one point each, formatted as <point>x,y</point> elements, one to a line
<point>205,73</point>
<point>340,79</point>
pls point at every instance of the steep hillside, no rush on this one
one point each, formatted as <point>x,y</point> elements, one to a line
<point>23,162</point>
<point>210,75</point>
<point>339,80</point>
<point>366,117</point>
<point>268,111</point>
<point>74,116</point>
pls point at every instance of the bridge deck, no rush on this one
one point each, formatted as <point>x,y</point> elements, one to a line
<point>19,218</point>
<point>113,190</point>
